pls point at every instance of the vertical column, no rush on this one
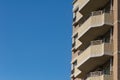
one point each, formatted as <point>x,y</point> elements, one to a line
<point>119,39</point>
<point>116,41</point>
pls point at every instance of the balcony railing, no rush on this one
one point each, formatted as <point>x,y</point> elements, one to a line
<point>99,75</point>
<point>96,73</point>
<point>96,42</point>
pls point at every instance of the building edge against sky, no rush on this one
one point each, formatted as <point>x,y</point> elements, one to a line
<point>95,40</point>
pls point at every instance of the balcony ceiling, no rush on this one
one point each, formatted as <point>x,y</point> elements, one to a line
<point>93,5</point>
<point>93,33</point>
<point>91,64</point>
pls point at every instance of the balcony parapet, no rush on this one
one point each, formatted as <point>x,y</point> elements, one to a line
<point>96,49</point>
<point>95,19</point>
<point>99,75</point>
<point>75,71</point>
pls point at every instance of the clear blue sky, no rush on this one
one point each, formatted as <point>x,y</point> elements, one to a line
<point>35,39</point>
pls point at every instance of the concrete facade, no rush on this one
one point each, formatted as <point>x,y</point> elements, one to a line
<point>96,40</point>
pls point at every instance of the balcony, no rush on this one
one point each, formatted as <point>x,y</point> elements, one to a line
<point>99,75</point>
<point>96,54</point>
<point>76,18</point>
<point>96,25</point>
<point>76,14</point>
<point>75,71</point>
<point>87,6</point>
<point>82,4</point>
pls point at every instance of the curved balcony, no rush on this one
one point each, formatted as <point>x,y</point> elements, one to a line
<point>96,25</point>
<point>93,56</point>
<point>88,6</point>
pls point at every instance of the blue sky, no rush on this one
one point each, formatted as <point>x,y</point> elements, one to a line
<point>35,39</point>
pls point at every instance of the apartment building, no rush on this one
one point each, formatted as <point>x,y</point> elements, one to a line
<point>95,40</point>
